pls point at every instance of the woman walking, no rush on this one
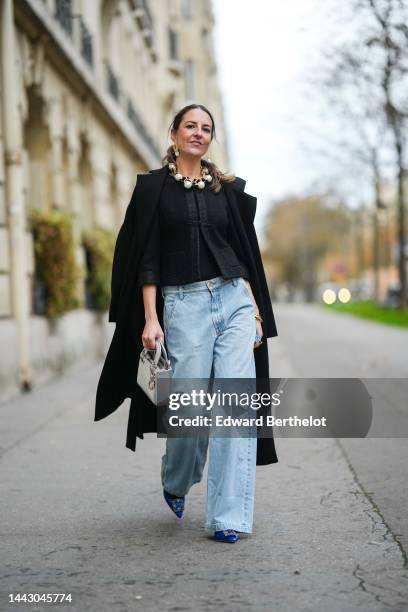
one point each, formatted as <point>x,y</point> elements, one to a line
<point>193,277</point>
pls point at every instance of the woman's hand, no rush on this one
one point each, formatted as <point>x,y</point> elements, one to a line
<point>152,330</point>
<point>259,332</point>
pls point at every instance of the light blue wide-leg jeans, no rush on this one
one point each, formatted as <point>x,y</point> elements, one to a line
<point>209,329</point>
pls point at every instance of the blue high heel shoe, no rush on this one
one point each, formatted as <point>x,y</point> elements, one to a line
<point>176,504</point>
<point>228,535</point>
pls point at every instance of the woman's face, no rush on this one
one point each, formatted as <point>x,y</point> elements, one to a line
<point>193,136</point>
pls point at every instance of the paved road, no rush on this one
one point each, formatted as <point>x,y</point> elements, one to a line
<point>314,342</point>
<point>74,518</point>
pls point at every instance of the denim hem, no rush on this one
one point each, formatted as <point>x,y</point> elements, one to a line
<point>242,527</point>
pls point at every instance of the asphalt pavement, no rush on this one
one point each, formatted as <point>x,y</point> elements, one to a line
<point>82,514</point>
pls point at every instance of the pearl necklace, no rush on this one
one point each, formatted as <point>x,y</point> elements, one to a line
<point>189,182</point>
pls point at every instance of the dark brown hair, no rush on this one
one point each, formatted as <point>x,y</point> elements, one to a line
<point>218,177</point>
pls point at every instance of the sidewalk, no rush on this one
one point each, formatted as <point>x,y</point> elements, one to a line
<point>75,520</point>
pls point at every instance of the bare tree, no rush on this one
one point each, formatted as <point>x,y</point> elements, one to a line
<point>391,41</point>
<point>359,145</point>
<point>362,83</point>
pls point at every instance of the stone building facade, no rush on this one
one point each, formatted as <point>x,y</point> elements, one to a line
<point>88,90</point>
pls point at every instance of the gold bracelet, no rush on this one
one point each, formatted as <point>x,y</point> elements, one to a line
<point>258,318</point>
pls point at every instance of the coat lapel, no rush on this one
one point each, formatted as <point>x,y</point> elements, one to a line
<point>243,202</point>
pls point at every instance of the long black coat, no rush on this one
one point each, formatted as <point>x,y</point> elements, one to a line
<point>118,377</point>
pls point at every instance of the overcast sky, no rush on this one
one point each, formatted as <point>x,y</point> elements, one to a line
<point>264,49</point>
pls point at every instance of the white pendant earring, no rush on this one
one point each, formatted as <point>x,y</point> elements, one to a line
<point>176,151</point>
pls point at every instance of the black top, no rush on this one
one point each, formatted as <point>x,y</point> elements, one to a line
<point>190,238</point>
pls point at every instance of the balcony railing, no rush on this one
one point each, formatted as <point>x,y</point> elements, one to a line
<point>140,127</point>
<point>76,28</point>
<point>63,14</point>
<point>86,45</point>
<point>145,22</point>
<point>83,39</point>
<point>113,83</point>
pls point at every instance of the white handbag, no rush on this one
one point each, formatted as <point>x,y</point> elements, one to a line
<point>154,369</point>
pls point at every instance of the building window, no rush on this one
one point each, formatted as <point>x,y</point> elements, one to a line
<point>189,76</point>
<point>63,14</point>
<point>86,42</point>
<point>112,81</point>
<point>173,50</point>
<point>186,9</point>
